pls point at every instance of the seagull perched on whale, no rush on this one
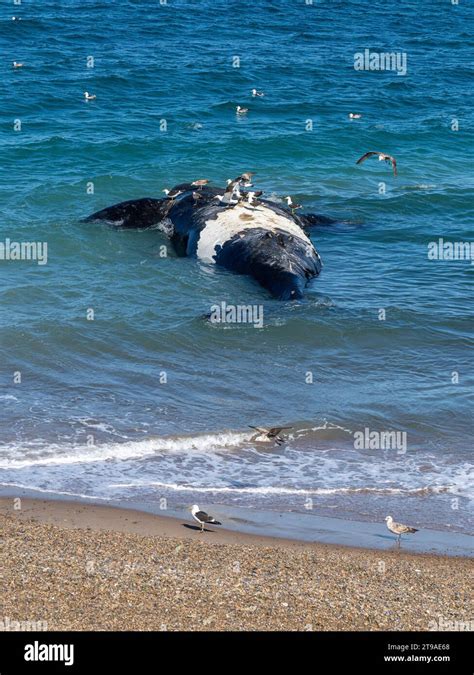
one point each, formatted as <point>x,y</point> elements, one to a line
<point>202,517</point>
<point>398,528</point>
<point>232,193</point>
<point>200,183</point>
<point>267,435</point>
<point>292,204</point>
<point>383,157</point>
<point>174,193</point>
<point>251,197</point>
<point>197,196</point>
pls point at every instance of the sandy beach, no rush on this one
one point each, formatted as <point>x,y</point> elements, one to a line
<point>86,567</point>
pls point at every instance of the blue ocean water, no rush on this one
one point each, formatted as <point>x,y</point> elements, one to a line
<point>92,414</point>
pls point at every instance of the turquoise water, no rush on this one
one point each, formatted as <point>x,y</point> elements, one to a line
<point>90,415</point>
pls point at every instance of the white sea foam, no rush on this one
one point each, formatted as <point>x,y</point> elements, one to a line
<point>54,492</point>
<point>274,490</point>
<point>20,457</point>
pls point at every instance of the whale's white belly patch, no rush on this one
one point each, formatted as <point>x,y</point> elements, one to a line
<point>229,223</point>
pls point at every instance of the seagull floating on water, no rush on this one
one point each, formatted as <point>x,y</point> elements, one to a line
<point>202,517</point>
<point>398,528</point>
<point>355,116</point>
<point>267,435</point>
<point>17,65</point>
<point>89,97</point>
<point>257,93</point>
<point>241,111</point>
<point>383,157</point>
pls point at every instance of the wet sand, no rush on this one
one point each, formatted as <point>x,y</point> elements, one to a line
<point>87,567</point>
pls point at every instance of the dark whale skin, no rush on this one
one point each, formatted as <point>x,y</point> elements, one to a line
<point>283,262</point>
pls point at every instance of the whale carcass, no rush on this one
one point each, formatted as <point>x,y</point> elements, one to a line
<point>255,237</point>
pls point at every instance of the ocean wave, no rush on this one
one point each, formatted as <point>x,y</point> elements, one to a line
<point>274,490</point>
<point>57,454</point>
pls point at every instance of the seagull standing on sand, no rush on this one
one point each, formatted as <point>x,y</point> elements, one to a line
<point>257,93</point>
<point>383,157</point>
<point>267,435</point>
<point>398,528</point>
<point>241,111</point>
<point>202,517</point>
<point>89,97</point>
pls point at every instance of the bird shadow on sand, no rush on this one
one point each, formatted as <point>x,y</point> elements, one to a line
<point>196,527</point>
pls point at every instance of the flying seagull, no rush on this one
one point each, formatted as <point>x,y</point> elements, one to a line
<point>398,528</point>
<point>383,157</point>
<point>244,179</point>
<point>247,176</point>
<point>266,435</point>
<point>202,517</point>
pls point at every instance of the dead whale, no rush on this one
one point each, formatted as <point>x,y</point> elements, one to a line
<point>261,239</point>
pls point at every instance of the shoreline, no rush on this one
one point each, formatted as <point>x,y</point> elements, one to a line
<point>240,524</point>
<point>82,567</point>
<point>99,517</point>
